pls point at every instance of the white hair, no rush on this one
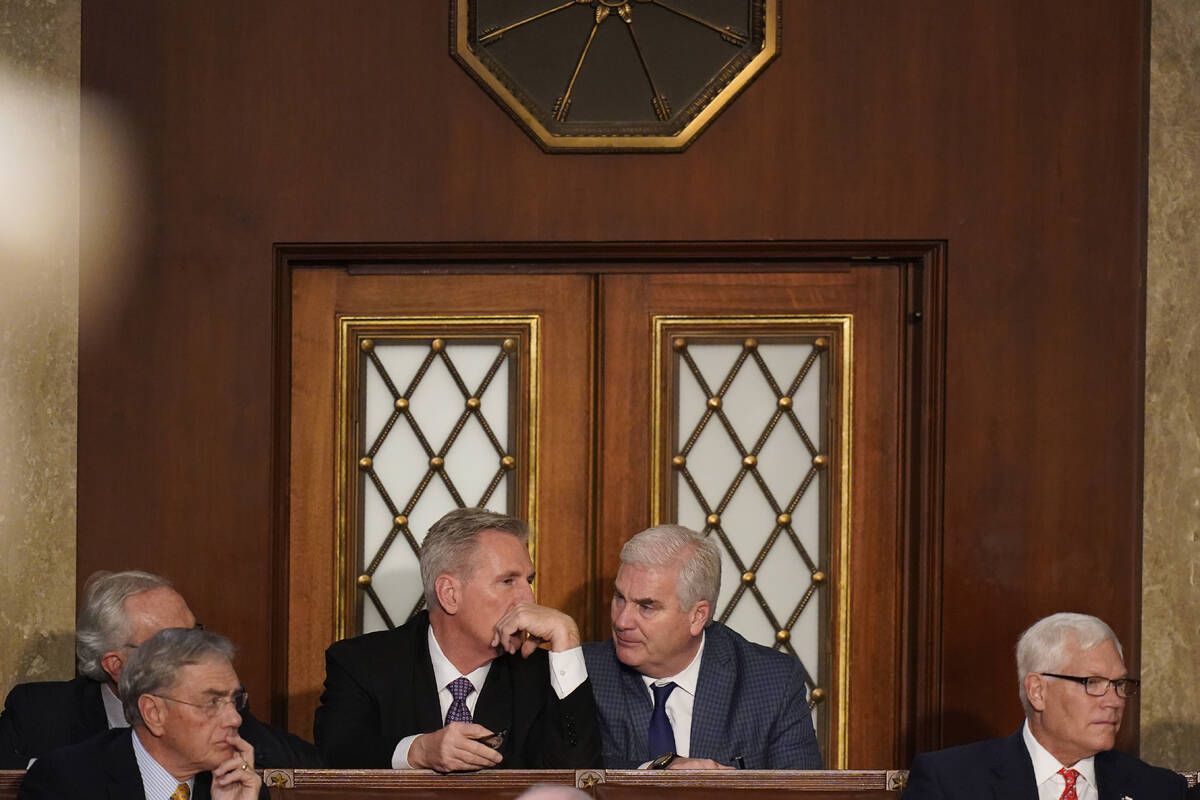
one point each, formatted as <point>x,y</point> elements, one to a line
<point>103,625</point>
<point>697,555</point>
<point>1046,645</point>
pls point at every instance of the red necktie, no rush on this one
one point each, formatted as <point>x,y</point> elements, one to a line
<point>1069,775</point>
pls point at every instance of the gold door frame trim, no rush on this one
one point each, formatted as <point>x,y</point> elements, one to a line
<point>351,331</point>
<point>842,325</point>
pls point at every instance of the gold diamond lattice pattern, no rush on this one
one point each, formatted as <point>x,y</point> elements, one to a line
<point>436,465</point>
<point>782,501</point>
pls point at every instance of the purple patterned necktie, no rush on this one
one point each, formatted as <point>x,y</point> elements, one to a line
<point>459,689</point>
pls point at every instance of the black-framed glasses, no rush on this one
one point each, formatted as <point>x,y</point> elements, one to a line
<point>1097,685</point>
<point>239,698</point>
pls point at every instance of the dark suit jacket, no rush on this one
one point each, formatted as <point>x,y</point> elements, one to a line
<point>41,717</point>
<point>1000,769</point>
<point>102,767</point>
<point>750,702</point>
<point>380,688</point>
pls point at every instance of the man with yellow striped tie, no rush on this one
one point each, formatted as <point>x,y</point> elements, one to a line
<point>182,698</point>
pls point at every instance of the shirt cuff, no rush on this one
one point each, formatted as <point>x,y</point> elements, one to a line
<point>567,671</point>
<point>400,755</point>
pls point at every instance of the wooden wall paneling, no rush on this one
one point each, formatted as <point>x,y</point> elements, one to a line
<point>965,120</point>
<point>874,294</point>
<point>924,441</point>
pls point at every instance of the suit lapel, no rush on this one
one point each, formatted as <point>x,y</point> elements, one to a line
<point>125,779</point>
<point>1111,779</point>
<point>426,708</point>
<point>1012,771</point>
<point>714,694</point>
<point>91,719</point>
<point>637,709</point>
<point>494,710</point>
<point>202,786</point>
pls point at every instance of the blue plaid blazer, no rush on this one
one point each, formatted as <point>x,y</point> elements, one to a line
<point>751,701</point>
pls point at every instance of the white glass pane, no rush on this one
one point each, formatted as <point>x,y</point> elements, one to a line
<point>401,463</point>
<point>783,462</point>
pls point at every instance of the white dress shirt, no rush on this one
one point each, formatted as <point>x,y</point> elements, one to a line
<point>156,781</point>
<point>567,671</point>
<point>681,701</point>
<point>1050,784</point>
<point>113,709</point>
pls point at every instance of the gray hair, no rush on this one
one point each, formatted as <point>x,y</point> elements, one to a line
<point>102,624</point>
<point>154,665</point>
<point>1045,645</point>
<point>450,543</point>
<point>698,557</point>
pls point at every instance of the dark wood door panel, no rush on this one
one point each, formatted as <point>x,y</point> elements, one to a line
<point>563,304</point>
<point>866,732</point>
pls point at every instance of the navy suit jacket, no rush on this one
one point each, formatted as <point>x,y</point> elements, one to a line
<point>1000,769</point>
<point>102,767</point>
<point>41,717</point>
<point>379,688</point>
<point>751,701</point>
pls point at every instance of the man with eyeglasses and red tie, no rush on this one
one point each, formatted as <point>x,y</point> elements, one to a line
<point>1074,686</point>
<point>182,698</point>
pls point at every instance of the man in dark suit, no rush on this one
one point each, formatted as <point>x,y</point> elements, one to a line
<point>120,611</point>
<point>181,696</point>
<point>679,691</point>
<point>463,686</point>
<point>1074,687</point>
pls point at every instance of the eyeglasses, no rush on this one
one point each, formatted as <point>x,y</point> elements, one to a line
<point>1097,686</point>
<point>239,698</point>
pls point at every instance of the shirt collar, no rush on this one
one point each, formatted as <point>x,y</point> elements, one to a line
<point>444,672</point>
<point>113,710</point>
<point>1045,766</point>
<point>687,677</point>
<point>156,781</point>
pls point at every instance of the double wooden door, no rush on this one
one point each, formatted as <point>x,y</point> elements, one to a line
<point>620,392</point>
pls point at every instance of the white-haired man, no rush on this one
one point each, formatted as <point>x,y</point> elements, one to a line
<point>182,698</point>
<point>1074,687</point>
<point>676,690</point>
<point>119,612</point>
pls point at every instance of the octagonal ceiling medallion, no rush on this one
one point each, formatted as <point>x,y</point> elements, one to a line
<point>614,75</point>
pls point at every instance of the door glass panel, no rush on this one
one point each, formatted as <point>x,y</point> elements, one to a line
<point>439,425</point>
<point>744,410</point>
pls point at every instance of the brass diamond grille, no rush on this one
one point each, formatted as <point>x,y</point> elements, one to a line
<point>746,410</point>
<point>416,457</point>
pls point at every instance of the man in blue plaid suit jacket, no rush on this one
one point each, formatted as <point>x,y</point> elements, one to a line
<point>725,702</point>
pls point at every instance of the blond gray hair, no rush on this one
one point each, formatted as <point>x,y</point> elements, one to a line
<point>697,555</point>
<point>450,543</point>
<point>155,664</point>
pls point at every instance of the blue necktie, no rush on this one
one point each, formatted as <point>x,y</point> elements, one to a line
<point>459,689</point>
<point>662,738</point>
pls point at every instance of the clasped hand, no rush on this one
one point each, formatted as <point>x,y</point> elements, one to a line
<point>454,749</point>
<point>526,625</point>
